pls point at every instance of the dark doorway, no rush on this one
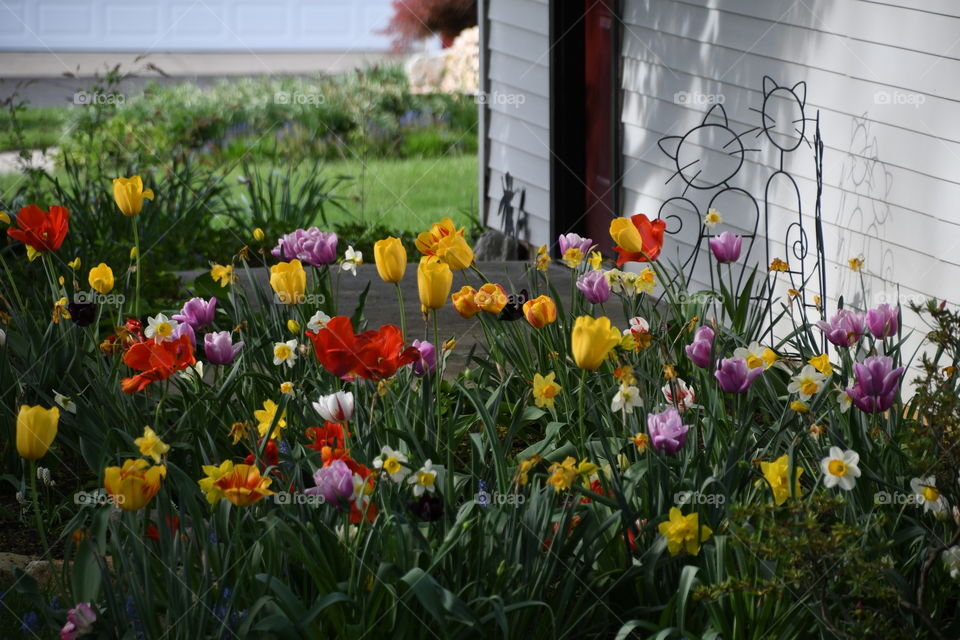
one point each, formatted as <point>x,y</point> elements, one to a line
<point>584,117</point>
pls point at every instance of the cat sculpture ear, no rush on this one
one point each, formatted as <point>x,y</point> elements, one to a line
<point>718,114</point>
<point>800,89</point>
<point>769,84</point>
<point>670,145</point>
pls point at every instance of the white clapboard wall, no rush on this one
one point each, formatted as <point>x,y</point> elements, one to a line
<point>518,99</point>
<point>883,75</point>
<point>186,25</point>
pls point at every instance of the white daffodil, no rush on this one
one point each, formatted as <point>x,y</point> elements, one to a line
<point>318,321</point>
<point>840,469</point>
<point>64,402</point>
<point>951,558</point>
<point>161,328</point>
<point>424,479</point>
<point>393,464</point>
<point>927,494</point>
<point>627,399</point>
<point>712,219</point>
<point>807,383</point>
<point>285,352</point>
<point>350,260</point>
<point>195,370</point>
<point>844,401</point>
<point>756,355</point>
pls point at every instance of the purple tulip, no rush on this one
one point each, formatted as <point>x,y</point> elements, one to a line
<point>845,328</point>
<point>574,241</point>
<point>699,350</point>
<point>876,384</point>
<point>884,321</point>
<point>667,431</point>
<point>197,312</point>
<point>735,376</point>
<point>726,247</point>
<point>185,329</point>
<point>219,347</point>
<point>80,621</point>
<point>428,358</point>
<point>334,482</point>
<point>310,246</point>
<point>594,286</point>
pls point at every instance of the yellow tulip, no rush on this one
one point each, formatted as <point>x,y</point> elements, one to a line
<point>289,281</point>
<point>36,429</point>
<point>491,298</point>
<point>258,234</point>
<point>391,259</point>
<point>101,278</point>
<point>455,251</point>
<point>434,279</point>
<point>592,340</point>
<point>540,311</point>
<point>129,194</point>
<point>464,302</point>
<point>134,485</point>
<point>625,235</point>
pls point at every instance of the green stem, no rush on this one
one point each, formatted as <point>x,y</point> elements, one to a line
<point>36,510</point>
<point>403,317</point>
<point>136,246</point>
<point>581,411</point>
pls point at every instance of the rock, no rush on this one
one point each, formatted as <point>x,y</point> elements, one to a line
<point>9,563</point>
<point>495,245</point>
<point>43,570</point>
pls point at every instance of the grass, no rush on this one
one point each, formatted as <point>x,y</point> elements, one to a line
<point>42,127</point>
<point>406,194</point>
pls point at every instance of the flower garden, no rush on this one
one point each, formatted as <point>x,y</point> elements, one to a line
<point>619,458</point>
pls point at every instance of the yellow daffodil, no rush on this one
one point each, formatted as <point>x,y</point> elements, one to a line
<point>265,418</point>
<point>595,260</point>
<point>221,273</point>
<point>133,485</point>
<point>573,257</point>
<point>151,445</point>
<point>799,406</point>
<point>214,473</point>
<point>856,264</point>
<point>60,310</point>
<point>36,429</point>
<point>822,364</point>
<point>684,533</point>
<point>543,258</point>
<point>642,441</point>
<point>130,194</point>
<point>525,467</point>
<point>775,475</point>
<point>391,259</point>
<point>101,278</point>
<point>238,431</point>
<point>592,340</point>
<point>74,264</point>
<point>562,474</point>
<point>288,281</point>
<point>545,389</point>
<point>779,265</point>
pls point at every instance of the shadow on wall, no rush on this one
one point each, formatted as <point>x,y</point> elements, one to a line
<point>863,206</point>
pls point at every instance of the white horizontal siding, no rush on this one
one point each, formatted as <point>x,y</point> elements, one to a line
<point>518,105</point>
<point>882,74</point>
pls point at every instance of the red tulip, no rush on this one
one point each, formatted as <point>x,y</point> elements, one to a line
<point>157,361</point>
<point>41,230</point>
<point>373,355</point>
<point>651,233</point>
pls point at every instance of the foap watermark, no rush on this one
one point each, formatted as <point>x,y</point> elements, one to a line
<point>285,297</point>
<point>500,98</point>
<point>697,98</point>
<point>287,499</point>
<point>486,499</point>
<point>94,297</point>
<point>904,98</point>
<point>698,497</point>
<point>86,98</point>
<point>97,498</point>
<point>897,497</point>
<point>894,298</point>
<point>297,97</point>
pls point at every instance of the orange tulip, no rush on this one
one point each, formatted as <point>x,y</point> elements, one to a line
<point>491,298</point>
<point>243,485</point>
<point>463,302</point>
<point>540,311</point>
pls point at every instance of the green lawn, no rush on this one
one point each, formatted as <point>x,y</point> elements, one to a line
<point>406,194</point>
<point>42,127</point>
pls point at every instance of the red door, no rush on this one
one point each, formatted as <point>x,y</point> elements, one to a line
<point>599,85</point>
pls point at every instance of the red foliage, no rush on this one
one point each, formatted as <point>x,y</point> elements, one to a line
<point>415,20</point>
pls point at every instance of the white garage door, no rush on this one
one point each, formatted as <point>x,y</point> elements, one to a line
<point>193,25</point>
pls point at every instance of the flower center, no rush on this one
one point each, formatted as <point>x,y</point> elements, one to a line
<point>392,465</point>
<point>753,362</point>
<point>837,468</point>
<point>426,479</point>
<point>809,387</point>
<point>282,352</point>
<point>931,494</point>
<point>164,329</point>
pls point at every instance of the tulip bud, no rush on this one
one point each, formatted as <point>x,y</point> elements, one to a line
<point>36,429</point>
<point>391,259</point>
<point>258,234</point>
<point>540,311</point>
<point>434,279</point>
